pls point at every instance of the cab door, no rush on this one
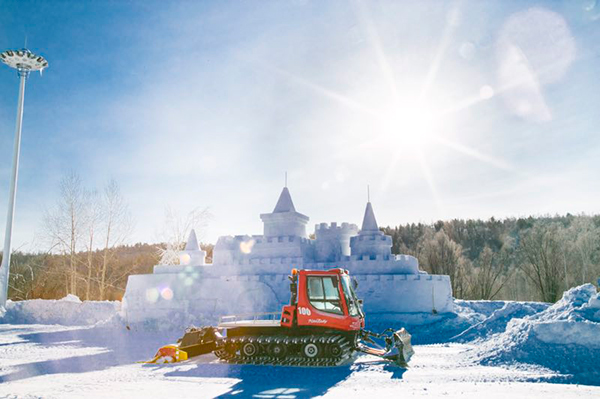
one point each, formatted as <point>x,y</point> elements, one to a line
<point>320,302</point>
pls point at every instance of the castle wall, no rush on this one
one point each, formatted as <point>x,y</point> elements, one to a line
<point>404,293</point>
<point>201,297</point>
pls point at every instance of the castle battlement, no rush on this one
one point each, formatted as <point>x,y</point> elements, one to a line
<point>334,228</point>
<point>265,241</point>
<point>373,238</point>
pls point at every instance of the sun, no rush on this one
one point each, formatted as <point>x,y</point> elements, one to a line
<point>407,125</point>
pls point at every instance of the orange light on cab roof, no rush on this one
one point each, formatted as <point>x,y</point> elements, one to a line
<point>294,272</point>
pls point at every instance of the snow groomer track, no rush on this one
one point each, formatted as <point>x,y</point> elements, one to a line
<point>309,351</point>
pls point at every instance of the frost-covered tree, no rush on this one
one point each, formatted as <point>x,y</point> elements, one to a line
<point>92,219</point>
<point>117,226</point>
<point>65,226</point>
<point>175,231</point>
<point>84,227</point>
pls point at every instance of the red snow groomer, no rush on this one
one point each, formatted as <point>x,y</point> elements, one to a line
<point>322,326</point>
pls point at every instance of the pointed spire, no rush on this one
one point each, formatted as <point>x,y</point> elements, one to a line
<point>369,222</point>
<point>284,204</point>
<point>192,242</point>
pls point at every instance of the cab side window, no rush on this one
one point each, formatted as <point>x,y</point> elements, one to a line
<point>323,294</point>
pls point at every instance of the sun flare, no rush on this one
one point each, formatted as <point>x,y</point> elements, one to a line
<point>409,126</point>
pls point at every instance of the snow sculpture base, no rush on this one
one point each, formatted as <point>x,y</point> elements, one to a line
<point>204,296</point>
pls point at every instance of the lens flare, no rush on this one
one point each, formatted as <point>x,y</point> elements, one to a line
<point>184,259</point>
<point>152,295</point>
<point>246,246</point>
<point>167,294</point>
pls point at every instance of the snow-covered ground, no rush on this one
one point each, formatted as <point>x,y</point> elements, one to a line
<point>496,349</point>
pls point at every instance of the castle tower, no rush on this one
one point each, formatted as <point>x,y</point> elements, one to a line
<point>192,254</point>
<point>332,241</point>
<point>370,240</point>
<point>284,220</point>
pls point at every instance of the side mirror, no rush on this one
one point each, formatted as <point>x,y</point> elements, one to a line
<point>354,283</point>
<point>360,302</point>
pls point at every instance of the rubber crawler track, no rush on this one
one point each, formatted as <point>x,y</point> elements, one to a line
<point>333,350</point>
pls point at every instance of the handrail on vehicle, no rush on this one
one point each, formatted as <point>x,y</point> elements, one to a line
<point>254,317</point>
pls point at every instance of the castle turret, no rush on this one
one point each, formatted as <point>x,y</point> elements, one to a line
<point>192,254</point>
<point>284,220</point>
<point>370,240</point>
<point>369,223</point>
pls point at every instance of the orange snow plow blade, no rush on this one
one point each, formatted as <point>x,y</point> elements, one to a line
<point>169,354</point>
<point>195,342</point>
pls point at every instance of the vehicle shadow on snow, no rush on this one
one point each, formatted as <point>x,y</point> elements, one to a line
<point>271,381</point>
<point>111,347</point>
<point>280,381</point>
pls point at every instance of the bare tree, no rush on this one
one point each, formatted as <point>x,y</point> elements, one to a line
<point>543,261</point>
<point>93,214</point>
<point>488,276</point>
<point>117,227</point>
<point>22,275</point>
<point>64,226</point>
<point>585,238</point>
<point>176,229</point>
<point>440,255</point>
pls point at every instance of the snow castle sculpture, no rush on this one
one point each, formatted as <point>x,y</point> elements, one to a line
<point>249,273</point>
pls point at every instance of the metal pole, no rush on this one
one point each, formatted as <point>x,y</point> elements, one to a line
<point>4,269</point>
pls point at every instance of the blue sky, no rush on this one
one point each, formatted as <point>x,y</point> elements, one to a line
<point>464,109</point>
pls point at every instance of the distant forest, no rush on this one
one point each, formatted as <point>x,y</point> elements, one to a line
<point>512,259</point>
<point>47,276</point>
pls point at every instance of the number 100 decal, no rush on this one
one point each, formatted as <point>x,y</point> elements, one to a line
<point>304,311</point>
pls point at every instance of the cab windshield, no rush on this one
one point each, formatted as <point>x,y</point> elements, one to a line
<point>351,300</point>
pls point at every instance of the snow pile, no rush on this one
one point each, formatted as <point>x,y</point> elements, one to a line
<point>480,308</point>
<point>565,337</point>
<point>498,320</point>
<point>68,311</point>
<point>425,328</point>
<point>471,320</point>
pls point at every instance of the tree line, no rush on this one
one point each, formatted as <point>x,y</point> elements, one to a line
<point>512,259</point>
<point>85,233</point>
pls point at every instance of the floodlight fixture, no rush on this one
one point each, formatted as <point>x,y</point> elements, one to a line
<point>24,61</point>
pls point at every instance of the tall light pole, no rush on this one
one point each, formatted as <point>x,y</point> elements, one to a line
<point>24,61</point>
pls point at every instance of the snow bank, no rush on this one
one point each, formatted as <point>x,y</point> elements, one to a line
<point>471,320</point>
<point>499,319</point>
<point>565,337</point>
<point>69,311</point>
